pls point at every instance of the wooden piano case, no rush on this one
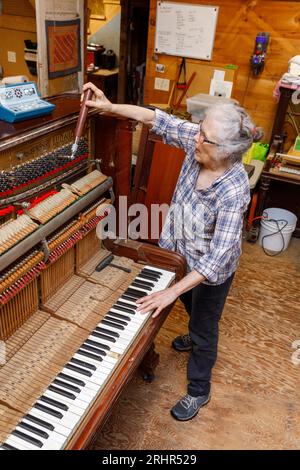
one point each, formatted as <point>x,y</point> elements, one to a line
<point>47,269</point>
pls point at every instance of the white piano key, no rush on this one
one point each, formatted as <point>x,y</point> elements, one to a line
<point>113,348</point>
<point>20,444</point>
<point>107,357</point>
<point>75,408</point>
<point>83,391</point>
<point>69,418</point>
<point>107,361</point>
<point>54,436</point>
<point>91,380</point>
<point>53,442</point>
<point>100,366</point>
<point>135,320</point>
<point>128,326</point>
<point>58,426</point>
<point>102,371</point>
<point>123,335</point>
<point>88,383</point>
<point>117,339</point>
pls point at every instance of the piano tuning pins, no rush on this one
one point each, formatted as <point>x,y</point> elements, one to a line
<point>36,169</point>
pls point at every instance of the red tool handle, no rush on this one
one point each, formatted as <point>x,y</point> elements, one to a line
<point>83,113</point>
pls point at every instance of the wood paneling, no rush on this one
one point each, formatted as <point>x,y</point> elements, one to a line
<point>12,39</point>
<point>17,7</point>
<point>239,22</point>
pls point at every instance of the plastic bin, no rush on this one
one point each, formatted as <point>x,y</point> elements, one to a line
<point>197,104</point>
<point>276,229</point>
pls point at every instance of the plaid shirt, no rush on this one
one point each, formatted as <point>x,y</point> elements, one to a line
<point>204,225</point>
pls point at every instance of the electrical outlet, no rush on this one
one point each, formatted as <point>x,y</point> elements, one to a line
<point>11,56</point>
<point>165,86</point>
<point>161,84</point>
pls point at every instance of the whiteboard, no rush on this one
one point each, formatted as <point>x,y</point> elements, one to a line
<point>185,29</point>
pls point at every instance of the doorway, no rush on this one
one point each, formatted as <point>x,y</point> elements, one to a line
<point>133,50</point>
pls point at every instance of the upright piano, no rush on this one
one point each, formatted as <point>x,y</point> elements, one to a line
<point>70,336</point>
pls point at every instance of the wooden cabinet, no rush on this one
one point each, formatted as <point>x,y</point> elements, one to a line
<point>280,189</point>
<point>107,81</point>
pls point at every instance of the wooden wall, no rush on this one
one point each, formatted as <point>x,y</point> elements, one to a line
<point>17,23</point>
<point>239,22</point>
<point>101,11</point>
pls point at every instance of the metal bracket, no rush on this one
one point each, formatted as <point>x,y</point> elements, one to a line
<point>46,250</point>
<point>24,205</point>
<point>112,195</point>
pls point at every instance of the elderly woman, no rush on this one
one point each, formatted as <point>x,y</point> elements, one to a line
<point>210,198</point>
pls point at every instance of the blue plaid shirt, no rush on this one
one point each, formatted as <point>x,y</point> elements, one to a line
<point>204,225</point>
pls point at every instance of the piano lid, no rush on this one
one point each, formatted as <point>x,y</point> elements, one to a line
<point>66,112</point>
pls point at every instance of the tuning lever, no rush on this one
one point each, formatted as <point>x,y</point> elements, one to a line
<point>81,120</point>
<point>83,113</point>
<point>105,262</point>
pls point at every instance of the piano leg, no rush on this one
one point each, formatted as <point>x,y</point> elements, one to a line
<point>149,364</point>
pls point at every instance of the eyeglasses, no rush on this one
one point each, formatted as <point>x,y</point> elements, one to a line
<point>206,140</point>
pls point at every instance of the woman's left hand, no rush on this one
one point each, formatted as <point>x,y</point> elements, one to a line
<point>156,302</point>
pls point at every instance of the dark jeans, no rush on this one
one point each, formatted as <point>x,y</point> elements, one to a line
<point>204,304</point>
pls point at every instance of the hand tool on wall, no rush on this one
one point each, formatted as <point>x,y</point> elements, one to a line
<point>181,79</point>
<point>183,93</point>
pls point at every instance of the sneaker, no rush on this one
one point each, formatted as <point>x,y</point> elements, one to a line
<point>182,343</point>
<point>187,407</point>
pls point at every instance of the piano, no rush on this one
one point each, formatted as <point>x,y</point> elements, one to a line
<point>70,336</point>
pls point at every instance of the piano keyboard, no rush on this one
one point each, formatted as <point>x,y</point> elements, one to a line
<point>52,420</point>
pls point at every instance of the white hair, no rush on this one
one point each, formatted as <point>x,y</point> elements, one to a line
<point>236,130</point>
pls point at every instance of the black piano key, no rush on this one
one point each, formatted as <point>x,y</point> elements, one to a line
<point>141,286</point>
<point>128,297</point>
<point>117,320</point>
<point>108,332</point>
<point>113,324</point>
<point>55,403</point>
<point>125,307</point>
<point>84,364</point>
<point>92,349</point>
<point>27,438</point>
<point>151,271</point>
<point>136,293</point>
<point>97,345</point>
<point>8,447</point>
<point>90,355</point>
<point>48,410</point>
<point>74,380</point>
<point>119,315</point>
<point>63,393</point>
<point>153,276</point>
<point>143,283</point>
<point>66,385</point>
<point>34,430</point>
<point>40,422</point>
<point>79,370</point>
<point>102,336</point>
<point>149,277</point>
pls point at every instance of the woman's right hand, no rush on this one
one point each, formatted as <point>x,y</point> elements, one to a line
<point>99,100</point>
